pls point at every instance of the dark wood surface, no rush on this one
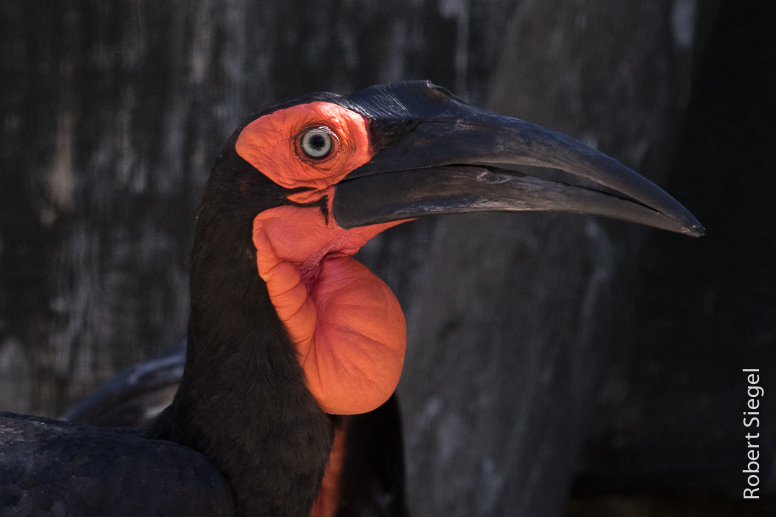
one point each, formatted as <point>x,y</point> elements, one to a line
<point>519,326</point>
<point>670,410</point>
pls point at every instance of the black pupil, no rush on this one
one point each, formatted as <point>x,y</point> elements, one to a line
<point>317,142</point>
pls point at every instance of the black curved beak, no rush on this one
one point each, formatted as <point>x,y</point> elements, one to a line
<point>438,155</point>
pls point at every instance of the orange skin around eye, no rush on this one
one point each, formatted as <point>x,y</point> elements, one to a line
<point>269,144</point>
<point>346,324</point>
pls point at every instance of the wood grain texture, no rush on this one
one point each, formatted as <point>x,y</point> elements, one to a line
<point>114,112</point>
<point>670,410</point>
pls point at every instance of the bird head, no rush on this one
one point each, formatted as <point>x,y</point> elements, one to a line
<point>330,172</point>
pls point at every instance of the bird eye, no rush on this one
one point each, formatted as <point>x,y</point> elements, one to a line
<point>316,143</point>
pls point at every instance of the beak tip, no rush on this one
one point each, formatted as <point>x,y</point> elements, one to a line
<point>694,230</point>
<point>688,224</point>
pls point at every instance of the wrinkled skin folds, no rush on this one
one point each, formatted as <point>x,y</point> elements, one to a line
<point>347,325</point>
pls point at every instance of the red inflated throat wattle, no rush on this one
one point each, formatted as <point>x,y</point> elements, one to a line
<point>345,322</point>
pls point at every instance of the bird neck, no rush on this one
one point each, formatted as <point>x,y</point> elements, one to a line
<point>242,401</point>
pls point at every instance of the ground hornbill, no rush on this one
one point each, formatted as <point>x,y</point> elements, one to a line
<point>287,331</point>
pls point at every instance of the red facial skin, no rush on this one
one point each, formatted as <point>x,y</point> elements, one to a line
<point>345,322</point>
<point>328,501</point>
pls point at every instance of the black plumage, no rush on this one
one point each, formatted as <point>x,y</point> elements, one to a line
<point>373,477</point>
<point>52,468</point>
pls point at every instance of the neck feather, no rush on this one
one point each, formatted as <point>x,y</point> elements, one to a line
<point>243,402</point>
